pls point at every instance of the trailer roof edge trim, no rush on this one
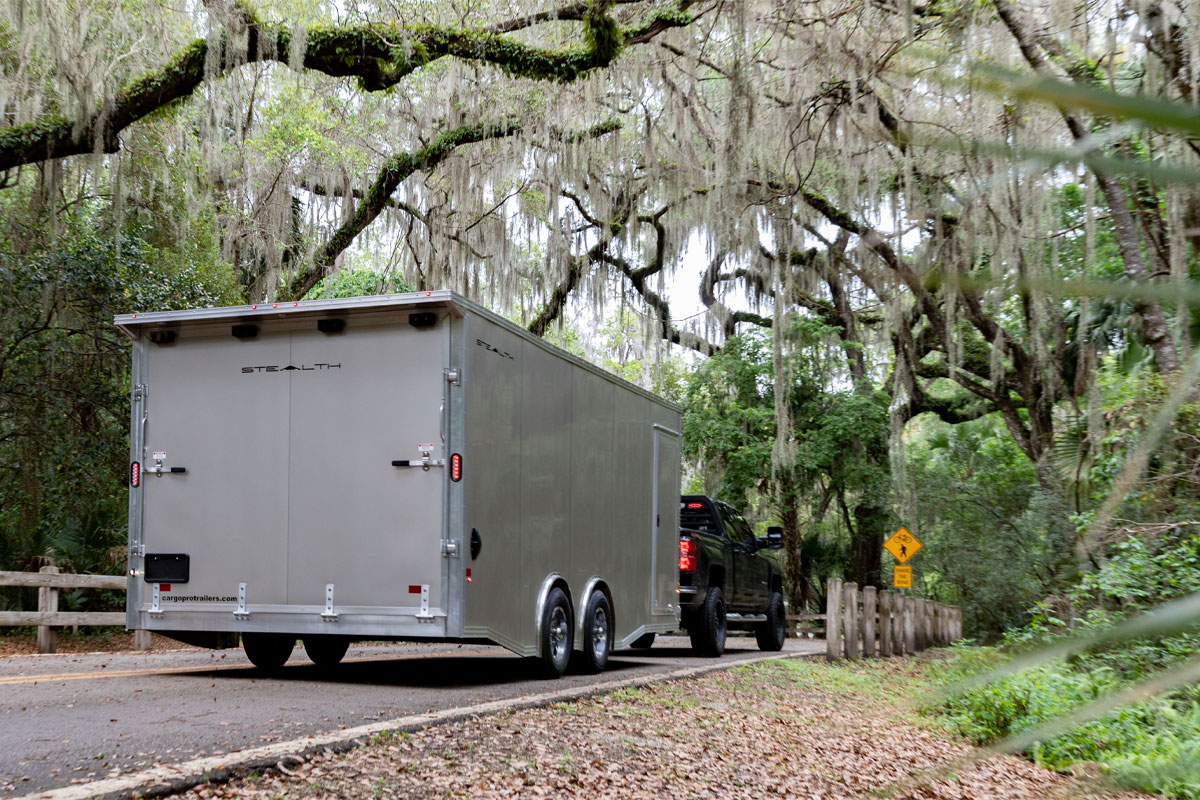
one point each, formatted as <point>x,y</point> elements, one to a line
<point>130,323</point>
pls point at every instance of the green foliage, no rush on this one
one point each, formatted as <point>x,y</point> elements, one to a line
<point>996,542</point>
<point>357,283</point>
<point>1152,746</point>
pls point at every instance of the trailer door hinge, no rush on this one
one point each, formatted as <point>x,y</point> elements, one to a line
<point>137,550</point>
<point>450,548</point>
<point>140,392</point>
<point>453,376</point>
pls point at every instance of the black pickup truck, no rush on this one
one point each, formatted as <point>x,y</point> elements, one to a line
<point>728,579</point>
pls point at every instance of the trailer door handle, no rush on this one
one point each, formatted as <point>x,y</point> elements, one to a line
<point>416,462</point>
<point>161,470</point>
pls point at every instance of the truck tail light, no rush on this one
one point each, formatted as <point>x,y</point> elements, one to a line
<point>456,467</point>
<point>695,505</point>
<point>687,555</point>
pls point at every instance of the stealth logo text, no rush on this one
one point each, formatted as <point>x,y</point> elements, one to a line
<point>292,368</point>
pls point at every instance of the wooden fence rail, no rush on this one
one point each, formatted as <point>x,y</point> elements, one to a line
<point>48,582</point>
<point>884,623</point>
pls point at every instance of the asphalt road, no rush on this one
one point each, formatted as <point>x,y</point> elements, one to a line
<point>73,719</point>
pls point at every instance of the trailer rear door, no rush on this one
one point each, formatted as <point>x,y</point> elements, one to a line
<point>288,441</point>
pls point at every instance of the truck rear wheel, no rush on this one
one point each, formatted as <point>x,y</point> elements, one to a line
<point>557,634</point>
<point>770,634</point>
<point>324,650</point>
<point>597,635</point>
<point>268,651</point>
<point>708,631</point>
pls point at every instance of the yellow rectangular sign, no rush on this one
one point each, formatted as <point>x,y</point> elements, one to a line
<point>902,577</point>
<point>903,545</point>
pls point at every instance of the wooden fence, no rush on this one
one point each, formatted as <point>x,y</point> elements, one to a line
<point>48,582</point>
<point>885,623</point>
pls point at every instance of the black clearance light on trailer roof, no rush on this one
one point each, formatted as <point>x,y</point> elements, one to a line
<point>331,325</point>
<point>164,336</point>
<point>422,319</point>
<point>245,331</point>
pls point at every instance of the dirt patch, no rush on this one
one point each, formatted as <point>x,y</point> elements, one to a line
<point>778,729</point>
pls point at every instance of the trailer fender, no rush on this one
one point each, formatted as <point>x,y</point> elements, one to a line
<point>550,581</point>
<point>594,584</point>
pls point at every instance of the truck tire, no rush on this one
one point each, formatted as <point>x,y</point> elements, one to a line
<point>770,634</point>
<point>325,650</point>
<point>597,636</point>
<point>268,651</point>
<point>708,631</point>
<point>643,642</point>
<point>557,634</point>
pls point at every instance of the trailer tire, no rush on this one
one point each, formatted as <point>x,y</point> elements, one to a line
<point>708,631</point>
<point>643,642</point>
<point>597,636</point>
<point>557,634</point>
<point>268,651</point>
<point>325,650</point>
<point>770,634</point>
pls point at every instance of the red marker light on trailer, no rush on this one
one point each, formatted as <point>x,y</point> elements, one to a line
<point>456,468</point>
<point>468,574</point>
<point>135,474</point>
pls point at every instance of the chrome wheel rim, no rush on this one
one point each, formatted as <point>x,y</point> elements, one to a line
<point>599,634</point>
<point>558,634</point>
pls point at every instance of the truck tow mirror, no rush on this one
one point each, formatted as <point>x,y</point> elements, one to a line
<point>775,536</point>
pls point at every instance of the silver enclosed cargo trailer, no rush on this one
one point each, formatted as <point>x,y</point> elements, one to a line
<point>409,466</point>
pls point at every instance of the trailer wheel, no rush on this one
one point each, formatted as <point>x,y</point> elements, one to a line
<point>557,634</point>
<point>770,634</point>
<point>268,651</point>
<point>324,650</point>
<point>643,642</point>
<point>708,632</point>
<point>597,635</point>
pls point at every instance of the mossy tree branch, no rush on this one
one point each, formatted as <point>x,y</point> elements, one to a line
<point>378,55</point>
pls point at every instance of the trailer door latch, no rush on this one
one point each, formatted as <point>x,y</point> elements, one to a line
<point>450,548</point>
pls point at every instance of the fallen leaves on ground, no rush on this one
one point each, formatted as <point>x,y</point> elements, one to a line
<point>776,729</point>
<point>115,641</point>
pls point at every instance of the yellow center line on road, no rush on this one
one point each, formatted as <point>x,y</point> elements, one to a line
<point>17,680</point>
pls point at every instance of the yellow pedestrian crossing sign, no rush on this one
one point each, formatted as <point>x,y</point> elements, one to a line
<point>903,545</point>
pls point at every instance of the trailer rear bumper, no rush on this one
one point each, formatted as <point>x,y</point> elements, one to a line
<point>356,621</point>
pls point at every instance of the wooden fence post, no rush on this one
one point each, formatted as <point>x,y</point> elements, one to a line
<point>929,640</point>
<point>833,616</point>
<point>868,628</point>
<point>851,621</point>
<point>47,637</point>
<point>958,623</point>
<point>910,631</point>
<point>885,623</point>
<point>923,623</point>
